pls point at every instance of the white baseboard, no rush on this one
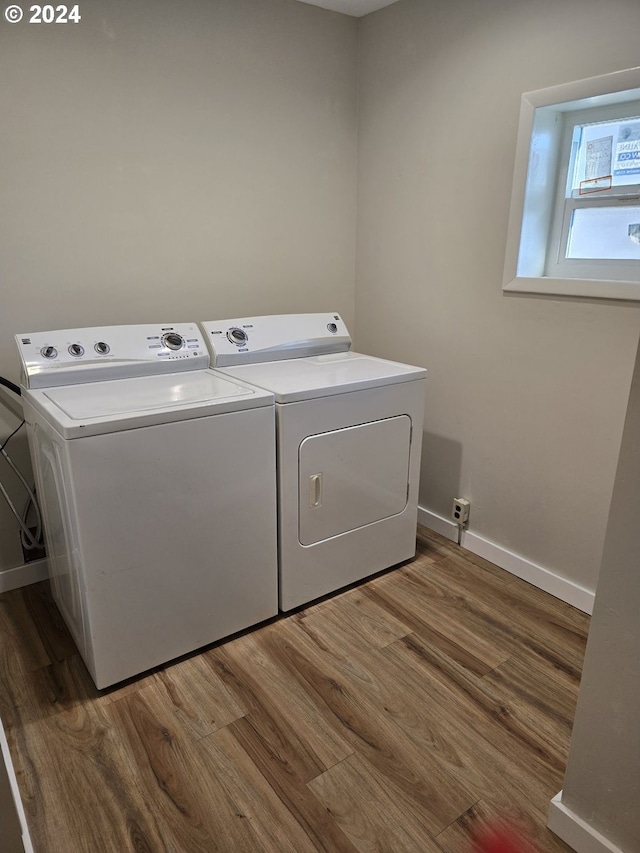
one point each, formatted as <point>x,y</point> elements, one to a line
<point>23,575</point>
<point>566,590</point>
<point>576,832</point>
<point>436,522</point>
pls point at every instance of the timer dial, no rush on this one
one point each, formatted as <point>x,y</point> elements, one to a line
<point>173,341</point>
<point>238,337</point>
<point>49,352</point>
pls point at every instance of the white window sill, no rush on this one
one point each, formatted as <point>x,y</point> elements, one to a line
<point>628,290</point>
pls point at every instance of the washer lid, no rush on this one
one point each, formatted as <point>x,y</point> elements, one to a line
<point>324,375</point>
<point>99,407</point>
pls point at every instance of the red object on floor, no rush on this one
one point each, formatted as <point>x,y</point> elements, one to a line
<point>501,839</point>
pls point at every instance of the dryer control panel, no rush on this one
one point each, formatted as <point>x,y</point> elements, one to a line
<point>71,356</point>
<point>274,337</point>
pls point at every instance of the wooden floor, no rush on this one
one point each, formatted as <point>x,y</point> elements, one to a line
<point>400,715</point>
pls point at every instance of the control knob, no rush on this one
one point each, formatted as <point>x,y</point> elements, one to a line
<point>49,352</point>
<point>101,348</point>
<point>76,349</point>
<point>238,337</point>
<point>173,341</point>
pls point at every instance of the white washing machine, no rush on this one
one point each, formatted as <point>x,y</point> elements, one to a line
<point>157,482</point>
<point>349,434</point>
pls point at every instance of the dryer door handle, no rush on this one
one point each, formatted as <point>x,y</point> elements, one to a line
<point>315,490</point>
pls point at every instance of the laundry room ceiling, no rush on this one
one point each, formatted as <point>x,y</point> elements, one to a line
<point>356,8</point>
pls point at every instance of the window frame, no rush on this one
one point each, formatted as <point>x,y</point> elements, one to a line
<point>540,176</point>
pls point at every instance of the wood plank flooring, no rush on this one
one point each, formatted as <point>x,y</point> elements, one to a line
<point>399,715</point>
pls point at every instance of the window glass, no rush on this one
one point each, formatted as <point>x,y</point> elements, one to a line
<point>611,233</point>
<point>606,150</point>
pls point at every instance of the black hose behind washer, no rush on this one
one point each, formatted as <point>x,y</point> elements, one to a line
<point>11,386</point>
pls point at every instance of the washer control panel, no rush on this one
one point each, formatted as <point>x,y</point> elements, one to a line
<point>274,337</point>
<point>70,356</point>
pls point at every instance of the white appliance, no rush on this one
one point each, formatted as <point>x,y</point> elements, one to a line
<point>157,482</point>
<point>349,433</point>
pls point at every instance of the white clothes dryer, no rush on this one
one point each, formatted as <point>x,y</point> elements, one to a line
<point>349,434</point>
<point>157,482</point>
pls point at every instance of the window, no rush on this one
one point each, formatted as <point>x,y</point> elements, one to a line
<point>574,226</point>
<point>596,222</point>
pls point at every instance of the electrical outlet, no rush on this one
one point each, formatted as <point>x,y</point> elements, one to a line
<point>460,511</point>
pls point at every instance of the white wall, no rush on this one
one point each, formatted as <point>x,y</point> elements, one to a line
<point>526,395</point>
<point>598,809</point>
<point>167,160</point>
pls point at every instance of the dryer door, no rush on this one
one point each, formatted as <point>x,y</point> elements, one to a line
<point>353,476</point>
